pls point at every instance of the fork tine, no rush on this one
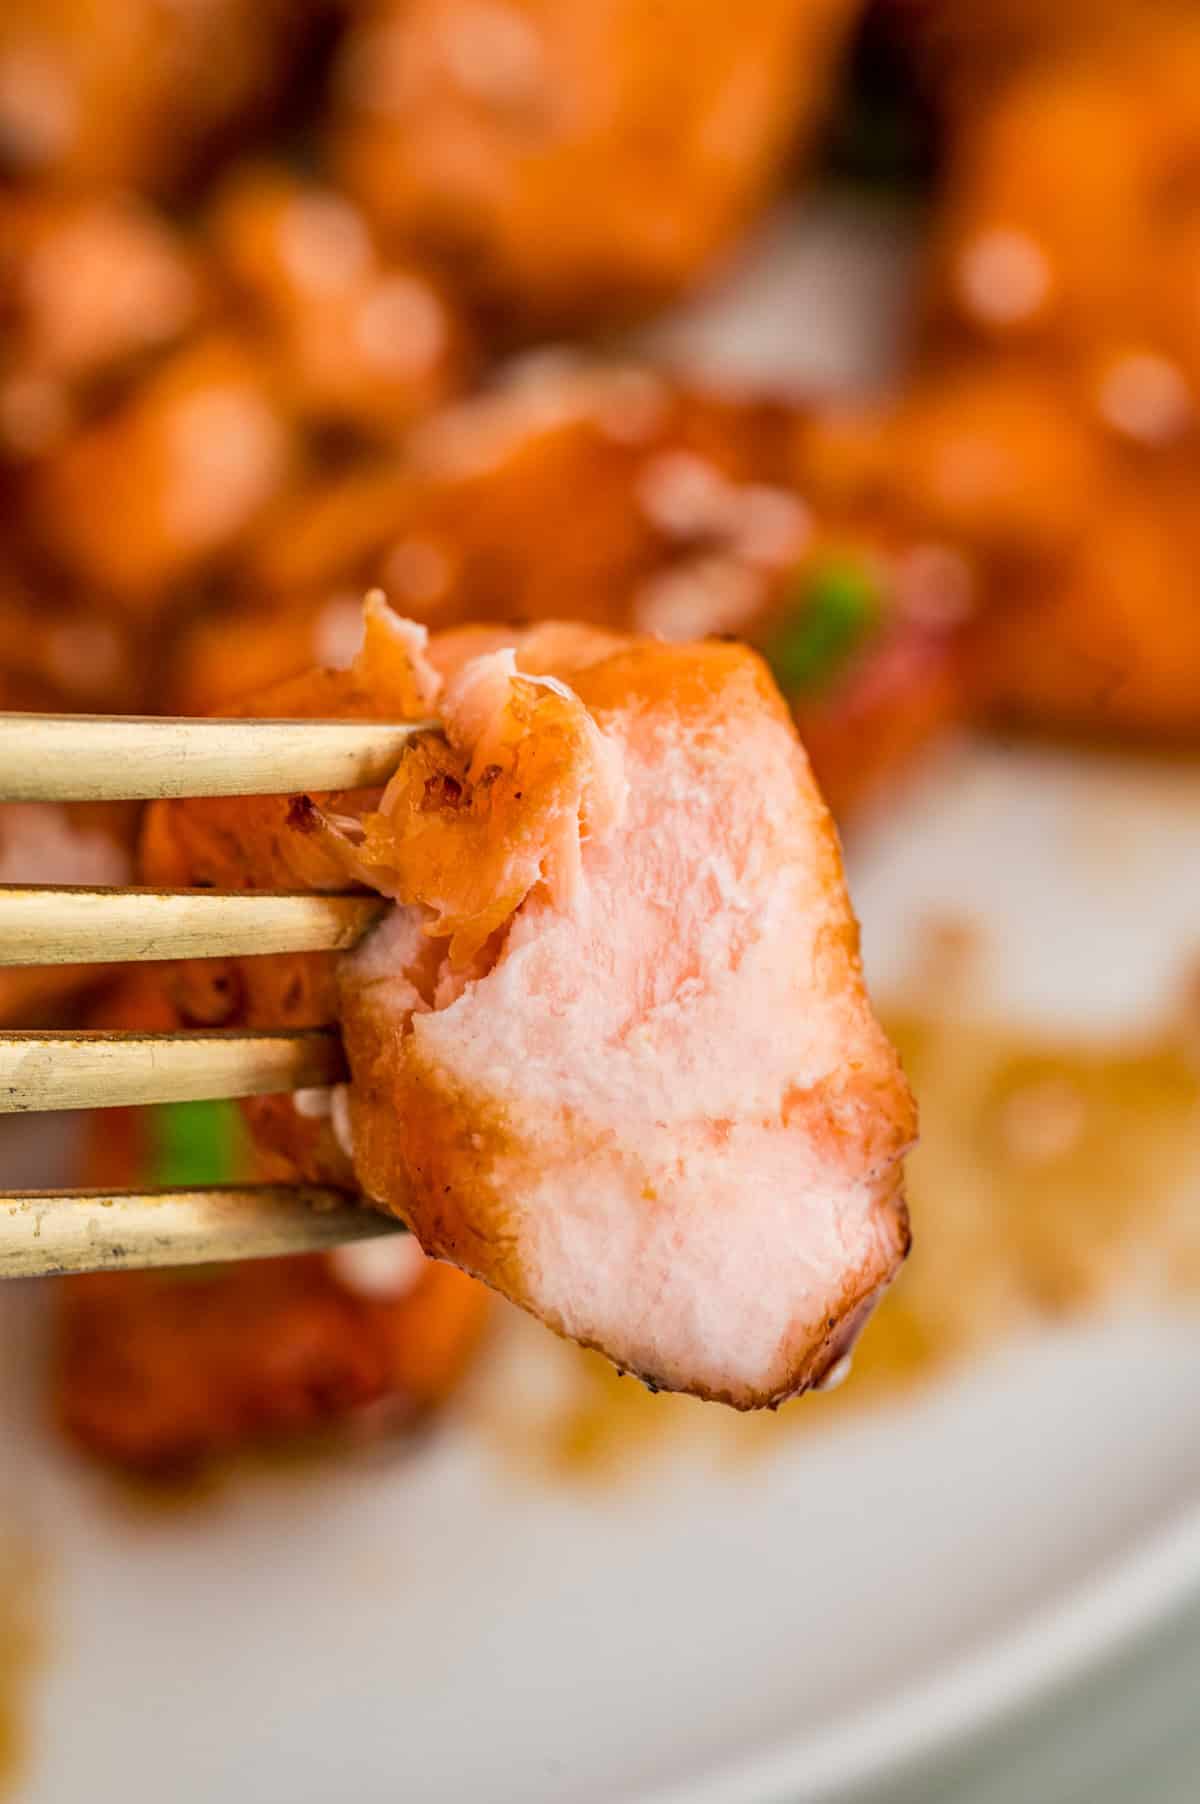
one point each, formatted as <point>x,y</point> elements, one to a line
<point>61,925</point>
<point>66,1069</point>
<point>47,1232</point>
<point>122,758</point>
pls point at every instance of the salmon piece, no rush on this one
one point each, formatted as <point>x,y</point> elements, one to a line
<point>579,160</point>
<point>611,1051</point>
<point>189,463</point>
<point>692,514</point>
<point>163,1373</point>
<point>369,344</point>
<point>136,96</point>
<point>94,284</point>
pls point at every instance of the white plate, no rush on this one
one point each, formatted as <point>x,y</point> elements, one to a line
<point>449,1628</point>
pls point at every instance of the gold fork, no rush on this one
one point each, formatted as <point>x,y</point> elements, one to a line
<point>85,758</point>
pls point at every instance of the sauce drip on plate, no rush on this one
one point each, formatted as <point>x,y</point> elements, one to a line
<point>18,1655</point>
<point>1051,1180</point>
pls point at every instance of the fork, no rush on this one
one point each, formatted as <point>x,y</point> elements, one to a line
<point>86,758</point>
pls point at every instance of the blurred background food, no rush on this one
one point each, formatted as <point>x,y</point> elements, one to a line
<point>161,1373</point>
<point>268,282</point>
<point>298,300</point>
<point>263,271</point>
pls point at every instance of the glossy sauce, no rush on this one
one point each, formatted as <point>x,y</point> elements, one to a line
<point>18,1656</point>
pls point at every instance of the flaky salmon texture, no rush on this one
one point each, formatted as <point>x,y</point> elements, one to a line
<point>611,1050</point>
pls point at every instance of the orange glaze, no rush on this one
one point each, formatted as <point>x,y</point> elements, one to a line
<point>1083,549</point>
<point>363,342</point>
<point>570,160</point>
<point>1058,384</point>
<point>688,515</point>
<point>94,286</point>
<point>135,94</point>
<point>187,464</point>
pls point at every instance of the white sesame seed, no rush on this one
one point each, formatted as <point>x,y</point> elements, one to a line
<point>323,242</point>
<point>837,1375</point>
<point>773,526</point>
<point>1003,277</point>
<point>708,595</point>
<point>38,107</point>
<point>685,497</point>
<point>1145,397</point>
<point>417,570</point>
<point>386,1268</point>
<point>401,326</point>
<point>337,631</point>
<point>225,454</point>
<point>313,1104</point>
<point>339,1114</point>
<point>493,52</point>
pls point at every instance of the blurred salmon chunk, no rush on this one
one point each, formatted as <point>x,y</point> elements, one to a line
<point>575,160</point>
<point>691,512</point>
<point>165,1373</point>
<point>611,1051</point>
